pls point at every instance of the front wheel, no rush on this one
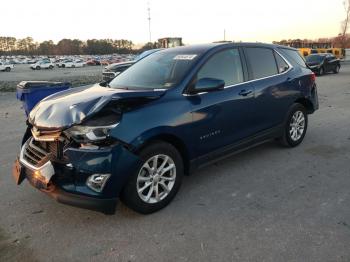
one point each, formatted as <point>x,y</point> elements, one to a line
<point>8,69</point>
<point>50,67</point>
<point>156,181</point>
<point>321,71</point>
<point>38,68</point>
<point>336,69</point>
<point>295,126</point>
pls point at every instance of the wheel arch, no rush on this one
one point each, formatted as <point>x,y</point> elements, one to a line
<point>306,103</point>
<point>175,142</point>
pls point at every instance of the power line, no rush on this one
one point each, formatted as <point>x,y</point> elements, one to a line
<point>149,21</point>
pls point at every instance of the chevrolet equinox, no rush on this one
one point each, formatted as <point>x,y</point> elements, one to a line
<point>169,114</point>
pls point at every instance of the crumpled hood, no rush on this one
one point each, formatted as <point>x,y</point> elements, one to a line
<point>72,106</point>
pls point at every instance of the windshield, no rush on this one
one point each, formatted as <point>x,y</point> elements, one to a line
<point>313,58</point>
<point>160,70</point>
<point>145,53</point>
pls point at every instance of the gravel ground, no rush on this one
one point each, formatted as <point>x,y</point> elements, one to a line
<point>265,204</point>
<point>77,76</point>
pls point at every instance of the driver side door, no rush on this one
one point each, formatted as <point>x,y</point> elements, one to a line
<point>222,117</point>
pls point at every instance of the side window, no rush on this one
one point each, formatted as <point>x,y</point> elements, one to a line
<point>294,56</point>
<point>225,65</point>
<point>282,66</point>
<point>262,61</point>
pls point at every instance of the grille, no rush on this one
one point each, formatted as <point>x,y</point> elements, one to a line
<point>38,153</point>
<point>35,154</point>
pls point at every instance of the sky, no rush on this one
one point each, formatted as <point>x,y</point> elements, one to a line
<point>194,21</point>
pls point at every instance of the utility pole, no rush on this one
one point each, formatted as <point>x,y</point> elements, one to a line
<point>149,22</point>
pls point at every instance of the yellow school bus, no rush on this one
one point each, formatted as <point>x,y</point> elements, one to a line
<point>305,51</point>
<point>337,52</point>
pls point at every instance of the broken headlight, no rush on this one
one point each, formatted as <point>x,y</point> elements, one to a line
<point>83,134</point>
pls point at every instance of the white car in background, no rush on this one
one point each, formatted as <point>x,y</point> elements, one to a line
<point>72,63</point>
<point>4,66</point>
<point>44,64</point>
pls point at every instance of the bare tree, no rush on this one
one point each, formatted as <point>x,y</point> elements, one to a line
<point>345,23</point>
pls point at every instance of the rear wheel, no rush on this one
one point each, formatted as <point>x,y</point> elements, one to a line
<point>157,180</point>
<point>73,66</point>
<point>7,69</point>
<point>336,69</point>
<point>63,66</point>
<point>295,126</point>
<point>38,68</point>
<point>50,67</point>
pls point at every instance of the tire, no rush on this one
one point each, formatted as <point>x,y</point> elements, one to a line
<point>321,71</point>
<point>50,67</point>
<point>146,202</point>
<point>73,66</point>
<point>336,69</point>
<point>294,131</point>
<point>7,69</point>
<point>63,66</point>
<point>38,68</point>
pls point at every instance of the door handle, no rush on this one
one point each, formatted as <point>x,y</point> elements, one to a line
<point>245,92</point>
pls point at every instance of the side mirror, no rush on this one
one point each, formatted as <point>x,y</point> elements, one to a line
<point>208,85</point>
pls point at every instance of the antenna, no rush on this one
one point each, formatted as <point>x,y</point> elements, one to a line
<point>149,21</point>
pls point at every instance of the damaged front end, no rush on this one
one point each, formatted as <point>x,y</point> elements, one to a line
<point>69,153</point>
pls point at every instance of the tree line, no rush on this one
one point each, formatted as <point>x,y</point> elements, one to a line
<point>27,46</point>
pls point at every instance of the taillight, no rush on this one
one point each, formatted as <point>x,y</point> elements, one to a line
<point>313,77</point>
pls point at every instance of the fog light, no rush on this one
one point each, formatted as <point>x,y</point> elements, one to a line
<point>97,181</point>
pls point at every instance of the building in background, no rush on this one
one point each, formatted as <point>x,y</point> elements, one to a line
<point>167,42</point>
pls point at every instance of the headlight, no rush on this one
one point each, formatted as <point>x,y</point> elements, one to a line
<point>89,133</point>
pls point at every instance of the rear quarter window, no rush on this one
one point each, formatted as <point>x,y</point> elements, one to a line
<point>293,56</point>
<point>281,64</point>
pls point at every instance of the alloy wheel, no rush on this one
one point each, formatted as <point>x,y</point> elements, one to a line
<point>297,126</point>
<point>156,178</point>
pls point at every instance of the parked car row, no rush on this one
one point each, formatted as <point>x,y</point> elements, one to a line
<point>5,66</point>
<point>92,59</point>
<point>70,63</point>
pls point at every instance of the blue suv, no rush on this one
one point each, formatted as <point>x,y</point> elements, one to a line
<point>169,114</point>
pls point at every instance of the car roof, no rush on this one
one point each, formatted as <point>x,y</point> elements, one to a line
<point>203,48</point>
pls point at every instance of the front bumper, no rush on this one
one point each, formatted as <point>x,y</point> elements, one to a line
<point>103,205</point>
<point>67,182</point>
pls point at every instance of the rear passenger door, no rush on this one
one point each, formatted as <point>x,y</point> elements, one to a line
<point>268,73</point>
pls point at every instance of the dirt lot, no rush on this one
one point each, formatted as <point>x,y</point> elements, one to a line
<point>266,204</point>
<point>78,76</point>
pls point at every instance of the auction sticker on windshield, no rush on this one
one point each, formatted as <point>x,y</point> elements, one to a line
<point>184,57</point>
